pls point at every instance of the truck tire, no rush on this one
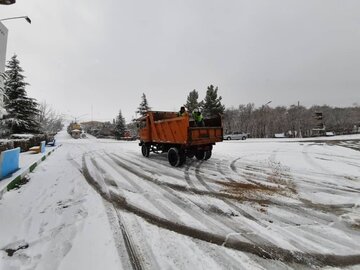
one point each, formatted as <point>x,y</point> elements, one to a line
<point>190,154</point>
<point>182,158</point>
<point>243,138</point>
<point>145,150</point>
<point>228,138</point>
<point>200,154</point>
<point>175,157</point>
<point>207,155</point>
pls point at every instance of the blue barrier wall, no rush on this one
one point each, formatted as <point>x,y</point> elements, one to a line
<point>42,147</point>
<point>9,162</point>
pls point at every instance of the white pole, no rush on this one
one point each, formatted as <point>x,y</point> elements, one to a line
<point>3,44</point>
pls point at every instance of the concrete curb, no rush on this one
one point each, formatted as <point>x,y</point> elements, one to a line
<point>23,174</point>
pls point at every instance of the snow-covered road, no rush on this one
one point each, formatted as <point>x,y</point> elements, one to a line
<point>256,204</point>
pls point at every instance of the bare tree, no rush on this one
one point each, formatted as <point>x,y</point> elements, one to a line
<point>294,120</point>
<point>50,121</point>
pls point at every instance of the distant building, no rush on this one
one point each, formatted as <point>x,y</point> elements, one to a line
<point>319,129</point>
<point>99,129</point>
<point>356,128</point>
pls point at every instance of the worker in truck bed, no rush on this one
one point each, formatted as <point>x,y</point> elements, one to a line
<point>198,118</point>
<point>182,111</point>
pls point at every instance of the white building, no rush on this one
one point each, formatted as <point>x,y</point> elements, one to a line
<point>3,42</point>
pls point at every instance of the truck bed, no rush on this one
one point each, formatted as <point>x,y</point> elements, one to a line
<point>167,127</point>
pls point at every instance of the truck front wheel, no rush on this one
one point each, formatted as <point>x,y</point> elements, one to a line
<point>145,150</point>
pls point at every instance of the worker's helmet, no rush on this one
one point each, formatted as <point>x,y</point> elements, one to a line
<point>196,110</point>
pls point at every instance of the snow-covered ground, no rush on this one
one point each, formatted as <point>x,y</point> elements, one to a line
<point>256,204</point>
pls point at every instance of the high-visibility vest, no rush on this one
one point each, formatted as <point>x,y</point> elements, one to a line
<point>198,117</point>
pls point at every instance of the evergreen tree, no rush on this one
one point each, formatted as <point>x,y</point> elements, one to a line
<point>22,110</point>
<point>144,106</point>
<point>120,126</point>
<point>212,103</point>
<point>192,101</point>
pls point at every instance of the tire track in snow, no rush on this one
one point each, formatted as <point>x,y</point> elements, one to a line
<point>270,252</point>
<point>311,161</point>
<point>151,164</point>
<point>184,204</point>
<point>220,170</point>
<point>231,204</point>
<point>187,175</point>
<point>287,221</point>
<point>200,179</point>
<point>134,257</point>
<point>328,186</point>
<point>244,175</point>
<point>183,188</point>
<point>238,209</point>
<point>159,206</point>
<point>205,219</point>
<point>351,144</point>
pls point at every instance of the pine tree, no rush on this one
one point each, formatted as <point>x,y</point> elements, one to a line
<point>22,110</point>
<point>120,126</point>
<point>212,103</point>
<point>192,101</point>
<point>144,106</point>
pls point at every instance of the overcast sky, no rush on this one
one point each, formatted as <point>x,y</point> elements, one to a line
<point>104,54</point>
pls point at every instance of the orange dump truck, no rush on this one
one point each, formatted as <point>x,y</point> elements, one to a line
<point>178,136</point>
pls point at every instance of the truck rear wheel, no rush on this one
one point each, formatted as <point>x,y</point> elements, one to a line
<point>200,154</point>
<point>145,150</point>
<point>175,157</point>
<point>207,155</point>
<point>190,154</point>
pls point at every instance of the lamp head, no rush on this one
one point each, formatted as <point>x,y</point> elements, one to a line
<point>7,2</point>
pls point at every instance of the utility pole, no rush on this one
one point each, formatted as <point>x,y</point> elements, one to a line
<point>299,122</point>
<point>263,116</point>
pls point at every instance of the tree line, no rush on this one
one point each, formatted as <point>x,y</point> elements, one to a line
<point>23,114</point>
<point>265,121</point>
<point>294,121</point>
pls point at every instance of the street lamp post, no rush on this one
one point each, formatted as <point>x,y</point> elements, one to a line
<point>263,116</point>
<point>76,118</point>
<point>267,103</point>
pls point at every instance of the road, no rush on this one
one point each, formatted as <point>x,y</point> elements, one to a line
<point>254,204</point>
